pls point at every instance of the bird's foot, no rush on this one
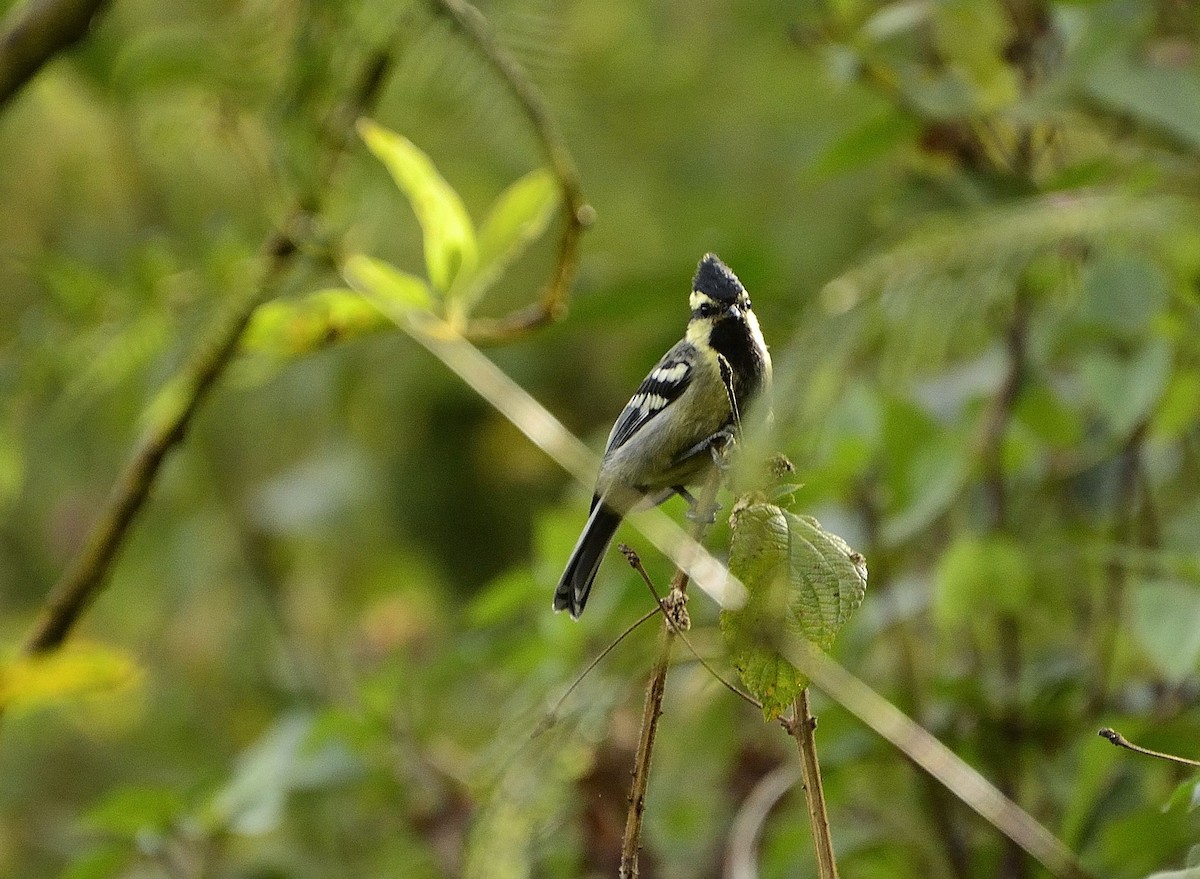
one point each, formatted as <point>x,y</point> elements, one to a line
<point>675,608</point>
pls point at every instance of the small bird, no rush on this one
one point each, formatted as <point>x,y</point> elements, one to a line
<point>677,424</point>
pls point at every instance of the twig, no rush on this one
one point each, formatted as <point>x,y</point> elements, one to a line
<point>635,562</point>
<point>935,758</point>
<point>34,32</point>
<point>652,708</point>
<point>551,717</point>
<point>576,213</point>
<point>751,815</point>
<point>1121,742</point>
<point>88,572</point>
<point>801,728</point>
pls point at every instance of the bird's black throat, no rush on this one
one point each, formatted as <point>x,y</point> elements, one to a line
<point>732,339</point>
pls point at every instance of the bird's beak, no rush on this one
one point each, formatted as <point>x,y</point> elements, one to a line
<point>735,312</point>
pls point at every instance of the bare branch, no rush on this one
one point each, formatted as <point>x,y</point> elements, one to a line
<point>652,708</point>
<point>801,727</point>
<point>34,32</point>
<point>635,562</point>
<point>551,717</point>
<point>1121,742</point>
<point>88,572</point>
<point>577,215</point>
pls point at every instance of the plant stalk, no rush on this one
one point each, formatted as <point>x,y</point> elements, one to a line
<point>801,728</point>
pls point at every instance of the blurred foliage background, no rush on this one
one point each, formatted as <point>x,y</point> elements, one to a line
<point>970,231</point>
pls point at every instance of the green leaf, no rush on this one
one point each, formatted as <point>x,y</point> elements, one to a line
<point>772,680</point>
<point>980,576</point>
<point>1162,98</point>
<point>1186,795</point>
<point>1123,293</point>
<point>128,811</point>
<point>802,580</point>
<point>288,328</point>
<point>450,246</point>
<point>374,277</point>
<point>103,863</point>
<point>519,216</point>
<point>1180,407</point>
<point>283,760</point>
<point>1166,623</point>
<point>863,144</point>
<point>973,36</point>
<point>1126,389</point>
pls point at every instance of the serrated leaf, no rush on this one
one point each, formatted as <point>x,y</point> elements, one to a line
<point>802,580</point>
<point>449,235</point>
<point>773,680</point>
<point>375,277</point>
<point>519,216</point>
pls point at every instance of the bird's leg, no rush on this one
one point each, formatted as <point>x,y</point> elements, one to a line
<point>694,513</point>
<point>719,446</point>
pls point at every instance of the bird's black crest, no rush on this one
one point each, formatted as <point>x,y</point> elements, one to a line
<point>715,279</point>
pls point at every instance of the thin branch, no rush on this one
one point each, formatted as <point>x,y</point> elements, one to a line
<point>551,717</point>
<point>577,214</point>
<point>1121,742</point>
<point>652,708</point>
<point>801,727</point>
<point>635,562</point>
<point>87,574</point>
<point>34,32</point>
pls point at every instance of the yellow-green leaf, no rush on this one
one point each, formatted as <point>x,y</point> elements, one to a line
<point>374,277</point>
<point>450,246</point>
<point>519,216</point>
<point>288,328</point>
<point>73,672</point>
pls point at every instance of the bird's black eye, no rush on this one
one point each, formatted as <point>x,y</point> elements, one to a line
<point>747,305</point>
<point>707,309</point>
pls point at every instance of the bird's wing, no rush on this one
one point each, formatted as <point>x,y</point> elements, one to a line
<point>669,378</point>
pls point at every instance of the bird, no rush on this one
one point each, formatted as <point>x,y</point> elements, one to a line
<point>678,423</point>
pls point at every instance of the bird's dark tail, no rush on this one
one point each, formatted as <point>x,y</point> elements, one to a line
<point>576,581</point>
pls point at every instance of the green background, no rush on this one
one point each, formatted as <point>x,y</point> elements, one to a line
<point>970,234</point>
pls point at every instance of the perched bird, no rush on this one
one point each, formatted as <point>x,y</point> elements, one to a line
<point>677,423</point>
